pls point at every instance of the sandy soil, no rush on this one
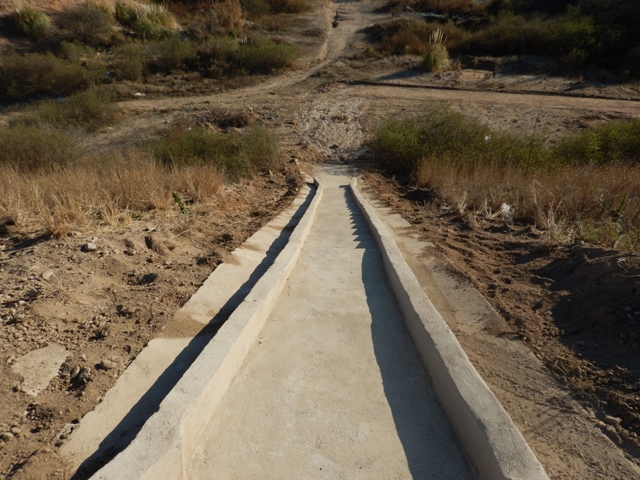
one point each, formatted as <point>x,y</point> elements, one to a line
<point>575,307</point>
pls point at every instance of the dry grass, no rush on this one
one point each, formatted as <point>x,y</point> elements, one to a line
<point>477,172</point>
<point>105,191</point>
<point>597,204</point>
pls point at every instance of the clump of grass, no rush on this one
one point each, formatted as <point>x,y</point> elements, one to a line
<point>147,21</point>
<point>105,190</point>
<point>236,156</point>
<point>436,59</point>
<point>614,142</point>
<point>89,24</point>
<point>33,74</point>
<point>88,110</point>
<point>586,187</point>
<point>169,55</point>
<point>30,22</point>
<point>264,56</point>
<point>31,148</point>
<point>127,62</point>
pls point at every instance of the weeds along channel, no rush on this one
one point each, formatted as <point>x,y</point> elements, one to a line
<point>586,187</point>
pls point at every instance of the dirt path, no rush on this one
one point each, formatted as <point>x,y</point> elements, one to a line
<point>343,393</point>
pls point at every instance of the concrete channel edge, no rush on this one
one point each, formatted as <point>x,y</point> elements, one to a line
<point>164,444</point>
<point>491,441</point>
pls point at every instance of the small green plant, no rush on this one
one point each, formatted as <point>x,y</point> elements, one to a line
<point>178,199</point>
<point>30,22</point>
<point>437,57</point>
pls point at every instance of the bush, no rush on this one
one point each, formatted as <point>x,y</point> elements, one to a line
<point>126,62</point>
<point>88,24</point>
<point>264,56</point>
<point>236,156</point>
<point>30,23</point>
<point>402,146</point>
<point>89,110</point>
<point>215,56</point>
<point>223,17</point>
<point>30,148</point>
<point>33,74</point>
<point>617,141</point>
<point>148,21</point>
<point>437,57</point>
<point>169,55</point>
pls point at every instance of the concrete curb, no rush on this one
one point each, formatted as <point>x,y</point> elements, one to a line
<point>489,437</point>
<point>165,443</point>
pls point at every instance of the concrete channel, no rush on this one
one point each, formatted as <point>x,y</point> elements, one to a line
<point>320,373</point>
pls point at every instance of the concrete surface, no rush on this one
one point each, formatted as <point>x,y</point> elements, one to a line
<point>334,388</point>
<point>491,440</point>
<point>137,394</point>
<point>39,367</point>
<point>170,435</point>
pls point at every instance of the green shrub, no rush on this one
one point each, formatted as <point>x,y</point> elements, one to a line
<point>436,59</point>
<point>126,62</point>
<point>401,146</point>
<point>170,55</point>
<point>30,148</point>
<point>148,21</point>
<point>616,141</point>
<point>235,155</point>
<point>89,110</point>
<point>30,23</point>
<point>88,24</point>
<point>264,56</point>
<point>33,74</point>
<point>215,55</point>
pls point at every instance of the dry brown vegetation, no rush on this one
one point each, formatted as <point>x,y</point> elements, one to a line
<point>585,188</point>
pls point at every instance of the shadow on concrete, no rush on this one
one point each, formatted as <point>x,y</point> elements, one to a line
<point>422,426</point>
<point>124,433</point>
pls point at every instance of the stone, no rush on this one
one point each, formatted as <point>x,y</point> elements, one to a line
<point>47,275</point>
<point>39,367</point>
<point>89,247</point>
<point>609,420</point>
<point>15,431</point>
<point>107,364</point>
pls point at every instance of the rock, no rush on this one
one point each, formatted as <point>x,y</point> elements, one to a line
<point>609,420</point>
<point>47,275</point>
<point>89,247</point>
<point>15,431</point>
<point>6,436</point>
<point>107,364</point>
<point>38,367</point>
<point>130,252</point>
<point>138,94</point>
